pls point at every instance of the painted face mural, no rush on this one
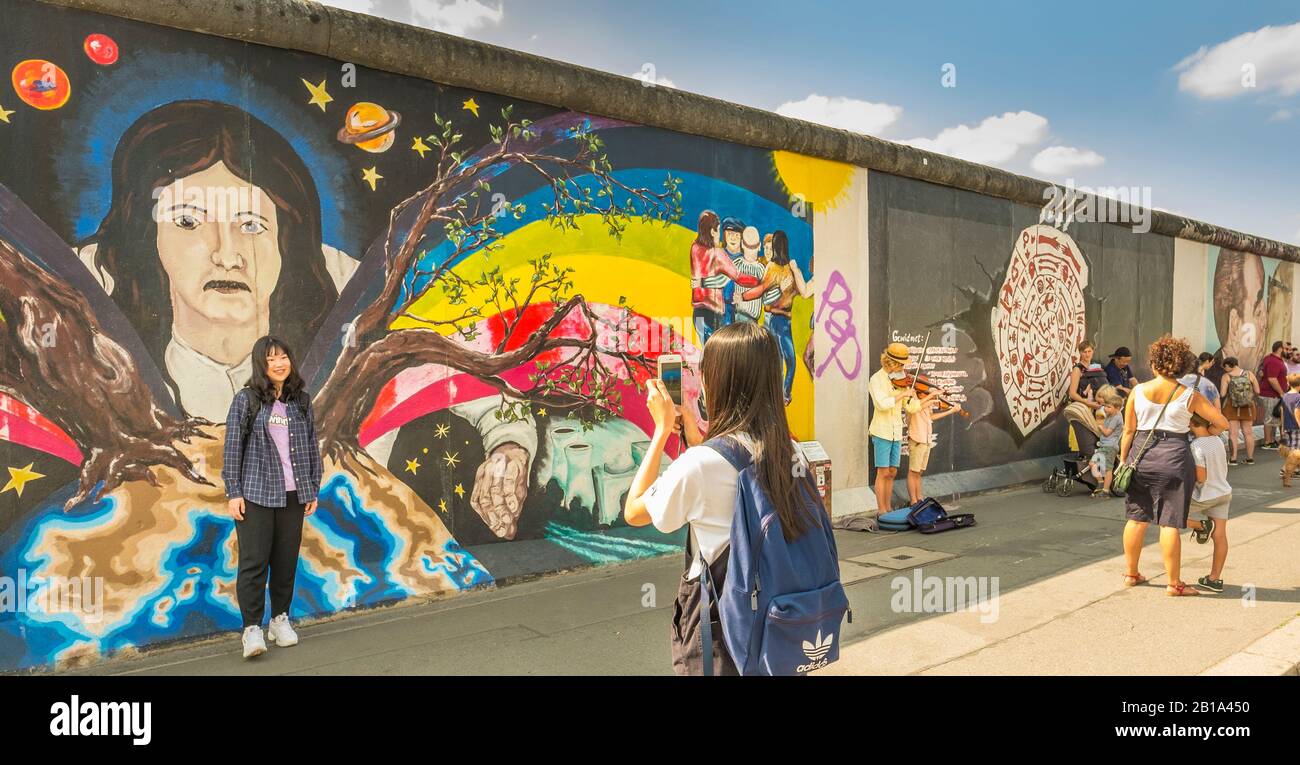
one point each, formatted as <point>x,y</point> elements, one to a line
<point>1038,322</point>
<point>479,405</point>
<point>1239,294</point>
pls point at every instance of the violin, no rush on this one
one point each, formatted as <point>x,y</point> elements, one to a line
<point>924,386</point>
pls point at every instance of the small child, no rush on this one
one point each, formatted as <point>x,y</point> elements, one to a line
<point>1112,427</point>
<point>1290,424</point>
<point>919,431</point>
<point>1211,498</point>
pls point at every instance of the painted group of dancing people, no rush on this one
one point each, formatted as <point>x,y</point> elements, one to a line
<point>736,276</point>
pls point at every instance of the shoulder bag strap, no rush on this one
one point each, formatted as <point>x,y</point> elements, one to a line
<point>1151,433</point>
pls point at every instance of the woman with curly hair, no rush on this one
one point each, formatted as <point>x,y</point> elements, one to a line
<point>1157,419</point>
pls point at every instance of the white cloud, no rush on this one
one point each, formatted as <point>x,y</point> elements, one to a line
<point>846,113</point>
<point>1281,115</point>
<point>1061,160</point>
<point>1272,53</point>
<point>649,76</point>
<point>994,141</point>
<point>455,17</point>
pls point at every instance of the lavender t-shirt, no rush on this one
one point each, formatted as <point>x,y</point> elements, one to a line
<point>278,426</point>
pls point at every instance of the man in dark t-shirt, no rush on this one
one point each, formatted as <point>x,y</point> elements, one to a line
<point>1272,384</point>
<point>1118,371</point>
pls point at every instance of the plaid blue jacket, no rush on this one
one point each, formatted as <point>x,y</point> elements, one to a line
<point>252,465</point>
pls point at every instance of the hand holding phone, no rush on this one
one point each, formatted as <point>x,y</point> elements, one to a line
<point>670,372</point>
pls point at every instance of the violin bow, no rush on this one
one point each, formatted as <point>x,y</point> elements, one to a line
<point>924,347</point>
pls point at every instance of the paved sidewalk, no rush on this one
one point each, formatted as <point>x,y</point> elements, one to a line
<point>1061,607</point>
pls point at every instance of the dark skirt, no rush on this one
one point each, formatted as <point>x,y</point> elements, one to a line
<point>1161,489</point>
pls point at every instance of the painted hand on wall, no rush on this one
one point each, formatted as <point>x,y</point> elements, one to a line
<point>500,488</point>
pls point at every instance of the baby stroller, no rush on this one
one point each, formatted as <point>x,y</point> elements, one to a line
<point>1075,468</point>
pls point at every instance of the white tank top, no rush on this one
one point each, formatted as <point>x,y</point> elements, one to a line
<point>1177,417</point>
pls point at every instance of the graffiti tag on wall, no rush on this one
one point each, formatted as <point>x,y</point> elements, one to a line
<point>839,326</point>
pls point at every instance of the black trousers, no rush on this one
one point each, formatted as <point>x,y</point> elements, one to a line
<point>268,537</point>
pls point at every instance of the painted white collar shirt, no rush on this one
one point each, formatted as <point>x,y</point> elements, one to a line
<point>206,386</point>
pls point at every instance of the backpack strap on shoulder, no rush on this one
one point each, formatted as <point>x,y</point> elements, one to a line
<point>732,451</point>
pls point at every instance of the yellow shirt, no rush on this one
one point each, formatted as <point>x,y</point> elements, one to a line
<point>887,419</point>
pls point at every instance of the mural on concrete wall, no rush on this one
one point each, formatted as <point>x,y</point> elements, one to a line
<point>1004,300</point>
<point>1038,322</point>
<point>1250,299</point>
<point>476,290</point>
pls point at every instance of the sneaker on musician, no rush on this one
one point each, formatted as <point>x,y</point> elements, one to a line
<point>254,643</point>
<point>281,633</point>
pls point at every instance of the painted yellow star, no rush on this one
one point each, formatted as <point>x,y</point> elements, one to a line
<point>18,478</point>
<point>541,412</point>
<point>451,459</point>
<point>442,430</point>
<point>460,491</point>
<point>318,95</point>
<point>471,106</point>
<point>442,505</point>
<point>413,465</point>
<point>371,176</point>
<point>4,114</point>
<point>420,147</point>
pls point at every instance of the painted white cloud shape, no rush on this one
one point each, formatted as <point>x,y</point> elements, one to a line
<point>1272,54</point>
<point>1061,160</point>
<point>844,113</point>
<point>992,142</point>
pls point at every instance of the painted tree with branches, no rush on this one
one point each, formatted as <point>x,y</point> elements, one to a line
<point>55,357</point>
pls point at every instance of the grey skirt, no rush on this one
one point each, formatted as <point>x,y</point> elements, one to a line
<point>1161,489</point>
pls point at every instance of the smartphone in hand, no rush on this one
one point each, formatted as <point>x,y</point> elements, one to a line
<point>670,371</point>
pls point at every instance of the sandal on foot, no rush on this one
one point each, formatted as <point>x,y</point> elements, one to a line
<point>1180,590</point>
<point>1133,580</point>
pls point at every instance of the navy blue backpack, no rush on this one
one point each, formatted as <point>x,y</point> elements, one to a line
<point>782,602</point>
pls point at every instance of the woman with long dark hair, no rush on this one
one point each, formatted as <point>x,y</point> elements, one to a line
<point>741,378</point>
<point>272,473</point>
<point>212,239</point>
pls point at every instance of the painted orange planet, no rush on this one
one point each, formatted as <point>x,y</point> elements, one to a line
<point>370,126</point>
<point>41,84</point>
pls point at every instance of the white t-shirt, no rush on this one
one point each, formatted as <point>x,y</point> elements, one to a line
<point>699,488</point>
<point>1210,454</point>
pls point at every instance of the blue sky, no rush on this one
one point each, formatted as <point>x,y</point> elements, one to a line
<point>1198,100</point>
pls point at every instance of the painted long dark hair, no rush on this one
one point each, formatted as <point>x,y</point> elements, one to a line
<point>177,140</point>
<point>780,248</point>
<point>741,369</point>
<point>293,389</point>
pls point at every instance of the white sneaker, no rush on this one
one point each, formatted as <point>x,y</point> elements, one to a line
<point>281,633</point>
<point>254,644</point>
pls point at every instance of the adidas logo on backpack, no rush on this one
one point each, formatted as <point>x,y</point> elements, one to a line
<point>782,603</point>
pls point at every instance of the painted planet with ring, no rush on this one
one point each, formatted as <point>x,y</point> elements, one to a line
<point>370,127</point>
<point>41,84</point>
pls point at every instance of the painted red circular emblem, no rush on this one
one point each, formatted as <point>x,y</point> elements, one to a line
<point>101,49</point>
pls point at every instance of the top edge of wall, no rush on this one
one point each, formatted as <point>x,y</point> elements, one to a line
<point>403,49</point>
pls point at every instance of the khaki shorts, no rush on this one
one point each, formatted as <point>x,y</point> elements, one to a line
<point>1216,508</point>
<point>918,456</point>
